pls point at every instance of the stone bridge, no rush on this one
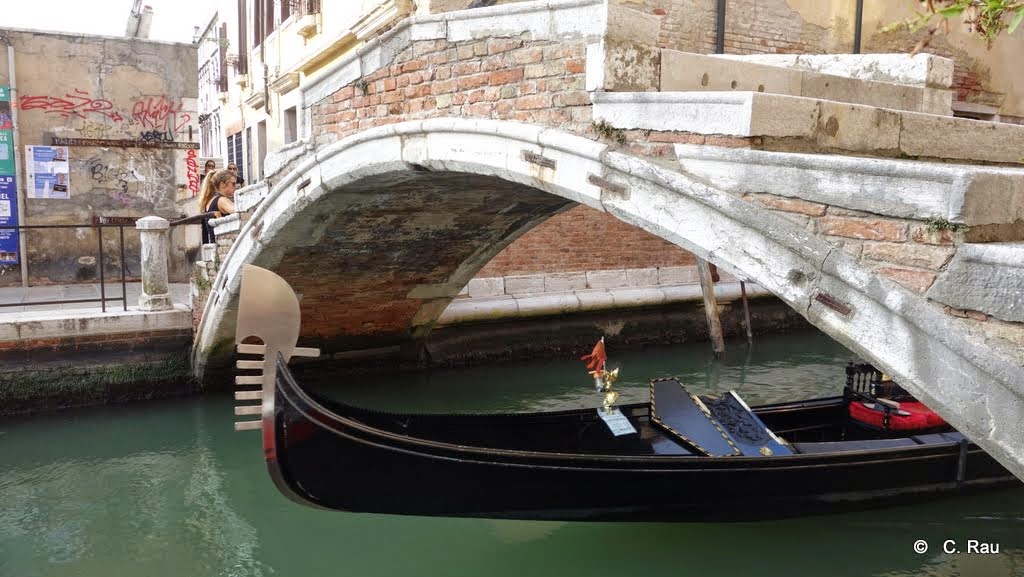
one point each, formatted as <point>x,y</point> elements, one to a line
<point>859,201</point>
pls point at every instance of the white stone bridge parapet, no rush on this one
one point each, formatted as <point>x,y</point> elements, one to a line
<point>472,127</point>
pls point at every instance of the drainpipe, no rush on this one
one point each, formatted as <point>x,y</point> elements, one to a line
<point>858,25</point>
<point>23,260</point>
<point>720,27</point>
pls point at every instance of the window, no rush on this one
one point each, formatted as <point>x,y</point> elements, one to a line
<point>243,40</point>
<point>248,154</point>
<point>291,125</point>
<point>235,151</point>
<point>261,142</point>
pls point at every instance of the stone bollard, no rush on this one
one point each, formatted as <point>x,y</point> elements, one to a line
<point>153,231</point>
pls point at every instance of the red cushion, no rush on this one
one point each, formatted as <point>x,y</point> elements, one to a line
<point>916,408</point>
<point>867,415</point>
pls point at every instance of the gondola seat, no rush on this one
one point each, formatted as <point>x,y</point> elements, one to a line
<point>881,404</point>
<point>882,416</point>
<point>711,425</point>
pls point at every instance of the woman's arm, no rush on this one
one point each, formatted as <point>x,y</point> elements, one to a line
<point>225,206</point>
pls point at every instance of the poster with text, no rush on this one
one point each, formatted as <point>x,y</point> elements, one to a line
<point>6,133</point>
<point>47,171</point>
<point>8,217</point>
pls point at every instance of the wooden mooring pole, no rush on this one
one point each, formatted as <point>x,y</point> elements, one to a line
<point>746,312</point>
<point>707,287</point>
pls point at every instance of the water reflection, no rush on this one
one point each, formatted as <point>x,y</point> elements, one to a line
<point>169,489</point>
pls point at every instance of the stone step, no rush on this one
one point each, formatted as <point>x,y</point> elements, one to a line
<point>925,70</point>
<point>684,71</point>
<point>810,124</point>
<point>968,194</point>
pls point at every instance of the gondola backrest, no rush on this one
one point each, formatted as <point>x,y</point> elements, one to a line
<point>862,378</point>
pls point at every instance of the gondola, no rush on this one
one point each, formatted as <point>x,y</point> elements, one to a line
<point>678,457</point>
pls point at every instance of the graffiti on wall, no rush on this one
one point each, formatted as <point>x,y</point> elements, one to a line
<point>158,115</point>
<point>192,172</point>
<point>152,118</point>
<point>131,181</point>
<point>78,103</point>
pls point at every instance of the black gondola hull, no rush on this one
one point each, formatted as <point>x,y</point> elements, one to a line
<point>321,457</point>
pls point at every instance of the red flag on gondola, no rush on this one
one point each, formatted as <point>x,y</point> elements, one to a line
<point>596,359</point>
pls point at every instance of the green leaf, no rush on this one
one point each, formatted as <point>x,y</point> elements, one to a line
<point>951,11</point>
<point>1016,21</point>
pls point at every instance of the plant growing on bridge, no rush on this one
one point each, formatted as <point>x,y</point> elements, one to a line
<point>985,18</point>
<point>609,132</point>
<point>938,224</point>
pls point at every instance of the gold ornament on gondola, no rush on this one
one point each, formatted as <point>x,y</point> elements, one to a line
<point>603,380</point>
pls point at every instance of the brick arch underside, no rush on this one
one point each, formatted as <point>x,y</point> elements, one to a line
<point>395,250</point>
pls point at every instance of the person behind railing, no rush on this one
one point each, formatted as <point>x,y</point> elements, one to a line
<point>208,169</point>
<point>217,197</point>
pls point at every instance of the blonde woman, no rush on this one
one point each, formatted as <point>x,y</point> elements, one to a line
<point>217,197</point>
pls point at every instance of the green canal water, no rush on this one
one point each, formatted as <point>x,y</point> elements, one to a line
<point>168,489</point>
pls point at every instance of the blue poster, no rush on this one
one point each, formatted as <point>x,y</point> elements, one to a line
<point>9,217</point>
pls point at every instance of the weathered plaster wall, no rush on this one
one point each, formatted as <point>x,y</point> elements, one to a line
<point>138,92</point>
<point>982,76</point>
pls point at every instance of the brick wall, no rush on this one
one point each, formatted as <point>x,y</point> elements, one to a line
<point>502,78</point>
<point>583,239</point>
<point>906,252</point>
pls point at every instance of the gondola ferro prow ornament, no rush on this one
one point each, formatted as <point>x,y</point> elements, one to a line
<point>269,310</point>
<point>603,382</point>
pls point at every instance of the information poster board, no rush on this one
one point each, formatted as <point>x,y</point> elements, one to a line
<point>47,171</point>
<point>6,133</point>
<point>8,217</point>
<point>8,184</point>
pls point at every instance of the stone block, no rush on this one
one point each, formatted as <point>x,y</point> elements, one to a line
<point>985,277</point>
<point>858,91</point>
<point>933,136</point>
<point>638,297</point>
<point>857,128</point>
<point>642,277</point>
<point>918,70</point>
<point>720,113</point>
<point>606,279</point>
<point>485,287</point>
<point>685,71</point>
<point>630,66</point>
<point>565,281</point>
<point>524,284</point>
<point>677,275</point>
<point>968,194</point>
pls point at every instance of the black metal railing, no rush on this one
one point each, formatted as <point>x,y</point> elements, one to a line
<point>99,223</point>
<point>303,7</point>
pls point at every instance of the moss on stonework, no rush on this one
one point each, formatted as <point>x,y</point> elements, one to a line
<point>32,390</point>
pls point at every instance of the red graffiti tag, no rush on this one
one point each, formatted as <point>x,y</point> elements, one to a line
<point>78,104</point>
<point>192,172</point>
<point>156,112</point>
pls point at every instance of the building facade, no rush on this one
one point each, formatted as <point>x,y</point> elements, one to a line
<point>104,127</point>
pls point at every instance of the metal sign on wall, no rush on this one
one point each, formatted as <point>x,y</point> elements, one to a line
<point>123,143</point>
<point>8,184</point>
